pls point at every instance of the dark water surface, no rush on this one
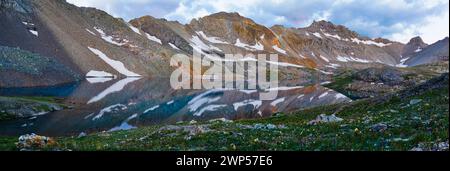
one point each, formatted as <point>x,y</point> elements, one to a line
<point>134,102</point>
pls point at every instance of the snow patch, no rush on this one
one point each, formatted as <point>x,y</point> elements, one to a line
<point>369,42</point>
<point>418,50</point>
<point>351,59</point>
<point>117,65</point>
<point>324,58</point>
<point>199,45</point>
<point>275,47</point>
<point>325,82</point>
<point>116,87</point>
<point>136,30</point>
<point>209,108</point>
<point>109,109</point>
<point>277,101</point>
<point>256,104</point>
<point>89,31</point>
<point>324,72</point>
<point>317,35</point>
<point>27,23</point>
<point>93,73</point>
<point>108,38</point>
<point>248,91</point>
<point>262,37</point>
<point>257,46</point>
<point>34,32</point>
<point>323,95</point>
<point>153,38</point>
<point>340,96</point>
<point>202,99</point>
<point>151,109</point>
<point>284,88</point>
<point>285,64</point>
<point>402,63</point>
<point>94,80</point>
<point>333,36</point>
<point>302,56</point>
<point>334,66</point>
<point>211,39</point>
<point>124,126</point>
<point>173,46</point>
<point>170,102</point>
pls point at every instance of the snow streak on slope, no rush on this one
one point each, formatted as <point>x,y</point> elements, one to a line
<point>108,38</point>
<point>153,38</point>
<point>95,80</point>
<point>112,89</point>
<point>275,47</point>
<point>94,73</point>
<point>257,46</point>
<point>211,39</point>
<point>173,46</point>
<point>117,65</point>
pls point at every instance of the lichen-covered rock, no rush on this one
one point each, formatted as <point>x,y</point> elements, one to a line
<point>440,146</point>
<point>325,119</point>
<point>192,130</point>
<point>11,108</point>
<point>34,142</point>
<point>379,127</point>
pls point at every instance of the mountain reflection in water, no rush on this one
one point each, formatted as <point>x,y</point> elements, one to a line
<point>105,105</point>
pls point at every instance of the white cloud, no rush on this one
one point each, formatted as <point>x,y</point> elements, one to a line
<point>398,20</point>
<point>435,27</point>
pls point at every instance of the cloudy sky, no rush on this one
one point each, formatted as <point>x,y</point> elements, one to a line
<point>398,20</point>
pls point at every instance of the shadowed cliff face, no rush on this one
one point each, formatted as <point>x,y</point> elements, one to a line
<point>20,68</point>
<point>436,52</point>
<point>414,45</point>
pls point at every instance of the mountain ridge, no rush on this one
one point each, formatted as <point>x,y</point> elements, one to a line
<point>89,39</point>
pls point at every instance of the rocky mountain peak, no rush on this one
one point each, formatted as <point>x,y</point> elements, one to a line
<point>417,41</point>
<point>231,27</point>
<point>322,24</point>
<point>329,27</point>
<point>382,40</point>
<point>233,16</point>
<point>414,45</point>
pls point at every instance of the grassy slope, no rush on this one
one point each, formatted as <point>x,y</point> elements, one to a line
<point>409,125</point>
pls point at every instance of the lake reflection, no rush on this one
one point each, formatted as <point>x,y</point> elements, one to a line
<point>111,105</point>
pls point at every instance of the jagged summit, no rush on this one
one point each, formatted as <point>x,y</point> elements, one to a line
<point>230,27</point>
<point>414,45</point>
<point>416,40</point>
<point>329,27</point>
<point>436,52</point>
<point>322,24</point>
<point>226,15</point>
